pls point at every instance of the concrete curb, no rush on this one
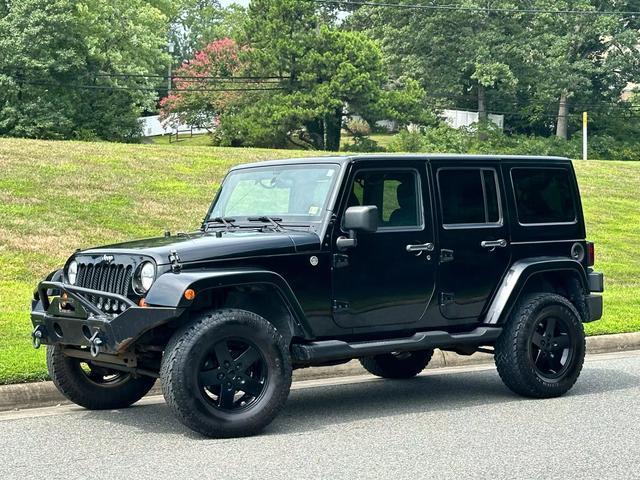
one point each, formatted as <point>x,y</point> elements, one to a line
<point>43,394</point>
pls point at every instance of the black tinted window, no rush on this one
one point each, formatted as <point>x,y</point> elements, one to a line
<point>395,193</point>
<point>468,196</point>
<point>543,195</point>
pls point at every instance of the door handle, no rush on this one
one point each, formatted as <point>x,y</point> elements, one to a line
<point>424,247</point>
<point>494,243</point>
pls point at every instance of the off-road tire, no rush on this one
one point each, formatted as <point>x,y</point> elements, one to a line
<point>398,366</point>
<point>512,354</point>
<point>70,379</point>
<point>181,364</point>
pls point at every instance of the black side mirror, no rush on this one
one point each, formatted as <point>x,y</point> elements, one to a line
<point>358,219</point>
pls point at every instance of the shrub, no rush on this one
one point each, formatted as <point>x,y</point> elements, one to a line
<point>443,138</point>
<point>406,141</point>
<point>358,127</point>
<point>363,145</point>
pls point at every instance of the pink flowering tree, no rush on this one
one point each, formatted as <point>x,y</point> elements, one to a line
<point>204,87</point>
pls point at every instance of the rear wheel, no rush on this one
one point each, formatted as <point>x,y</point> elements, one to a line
<point>397,364</point>
<point>541,351</point>
<point>228,374</point>
<point>94,387</point>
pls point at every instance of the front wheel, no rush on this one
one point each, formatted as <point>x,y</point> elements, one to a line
<point>227,374</point>
<point>542,347</point>
<point>92,386</point>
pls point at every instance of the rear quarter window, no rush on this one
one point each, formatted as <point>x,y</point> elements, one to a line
<point>543,195</point>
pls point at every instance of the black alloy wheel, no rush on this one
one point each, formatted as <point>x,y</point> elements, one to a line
<point>552,347</point>
<point>92,386</point>
<point>233,375</point>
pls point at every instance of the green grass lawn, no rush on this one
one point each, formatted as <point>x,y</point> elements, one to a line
<point>59,196</point>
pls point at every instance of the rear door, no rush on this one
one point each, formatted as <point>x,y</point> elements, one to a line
<point>474,241</point>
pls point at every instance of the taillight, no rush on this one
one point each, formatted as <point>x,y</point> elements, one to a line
<point>591,254</point>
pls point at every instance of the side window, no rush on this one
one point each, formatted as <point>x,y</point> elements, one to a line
<point>543,195</point>
<point>395,193</point>
<point>469,196</point>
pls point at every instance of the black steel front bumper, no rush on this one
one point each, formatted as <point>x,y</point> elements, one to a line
<point>82,324</point>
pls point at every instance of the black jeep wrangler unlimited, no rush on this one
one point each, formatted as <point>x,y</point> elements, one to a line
<point>319,261</point>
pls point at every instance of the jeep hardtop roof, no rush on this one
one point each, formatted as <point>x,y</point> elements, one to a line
<point>344,159</point>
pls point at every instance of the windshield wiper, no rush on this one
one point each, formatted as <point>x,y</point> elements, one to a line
<point>226,221</point>
<point>271,220</point>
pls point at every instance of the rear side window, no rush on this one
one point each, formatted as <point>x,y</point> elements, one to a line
<point>469,196</point>
<point>543,195</point>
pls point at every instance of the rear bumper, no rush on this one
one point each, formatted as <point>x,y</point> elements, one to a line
<point>596,281</point>
<point>85,325</point>
<point>594,302</point>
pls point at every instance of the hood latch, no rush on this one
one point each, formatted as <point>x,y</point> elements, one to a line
<point>174,259</point>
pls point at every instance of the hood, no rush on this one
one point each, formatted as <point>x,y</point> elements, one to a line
<point>202,246</point>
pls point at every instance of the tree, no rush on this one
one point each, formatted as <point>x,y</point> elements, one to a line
<point>325,73</point>
<point>458,56</point>
<point>540,69</point>
<point>198,100</point>
<point>583,59</point>
<point>41,49</point>
<point>61,64</point>
<point>197,23</point>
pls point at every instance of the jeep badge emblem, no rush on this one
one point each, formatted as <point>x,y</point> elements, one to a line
<point>313,261</point>
<point>107,258</point>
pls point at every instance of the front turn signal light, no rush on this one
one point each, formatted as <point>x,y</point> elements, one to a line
<point>189,294</point>
<point>143,303</point>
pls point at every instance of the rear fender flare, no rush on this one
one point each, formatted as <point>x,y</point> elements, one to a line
<point>168,290</point>
<point>516,278</point>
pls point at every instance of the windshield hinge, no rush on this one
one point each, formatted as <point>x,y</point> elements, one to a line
<point>174,259</point>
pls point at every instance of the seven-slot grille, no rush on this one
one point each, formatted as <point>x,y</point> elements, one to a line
<point>112,278</point>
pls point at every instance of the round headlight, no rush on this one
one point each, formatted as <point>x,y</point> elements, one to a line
<point>72,272</point>
<point>147,275</point>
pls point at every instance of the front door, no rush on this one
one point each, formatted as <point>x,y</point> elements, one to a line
<point>379,282</point>
<point>474,241</point>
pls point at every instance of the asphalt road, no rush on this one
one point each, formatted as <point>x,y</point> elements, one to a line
<point>448,423</point>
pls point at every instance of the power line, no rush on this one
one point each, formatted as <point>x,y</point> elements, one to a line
<point>191,77</point>
<point>146,89</point>
<point>630,109</point>
<point>459,8</point>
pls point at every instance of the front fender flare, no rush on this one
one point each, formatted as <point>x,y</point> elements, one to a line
<point>514,281</point>
<point>168,289</point>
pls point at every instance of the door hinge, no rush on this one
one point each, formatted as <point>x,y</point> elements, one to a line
<point>339,305</point>
<point>446,255</point>
<point>446,298</point>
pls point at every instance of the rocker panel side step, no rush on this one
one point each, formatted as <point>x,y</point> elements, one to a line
<point>331,350</point>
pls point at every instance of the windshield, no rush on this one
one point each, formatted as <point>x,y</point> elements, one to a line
<point>291,193</point>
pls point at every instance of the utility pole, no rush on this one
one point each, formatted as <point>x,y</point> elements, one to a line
<point>584,135</point>
<point>171,48</point>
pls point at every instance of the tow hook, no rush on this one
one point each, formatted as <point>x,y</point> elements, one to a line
<point>36,336</point>
<point>95,342</point>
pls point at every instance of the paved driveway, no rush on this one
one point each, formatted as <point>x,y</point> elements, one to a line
<point>448,423</point>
